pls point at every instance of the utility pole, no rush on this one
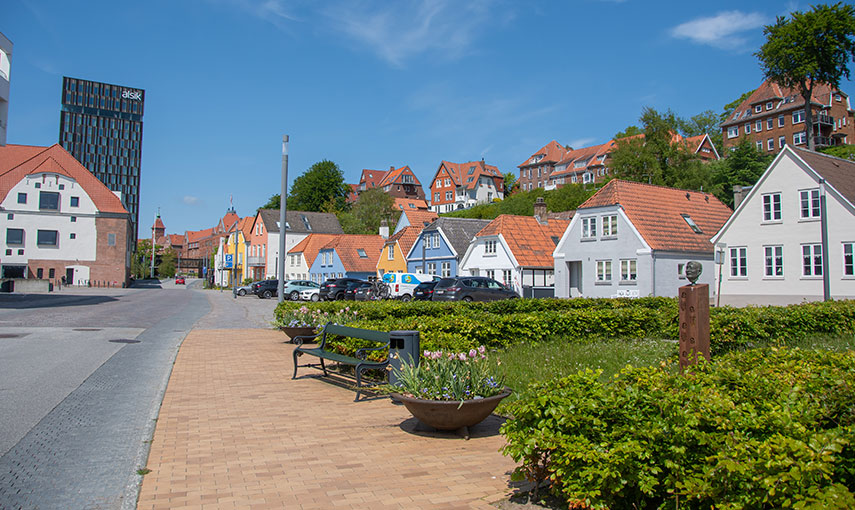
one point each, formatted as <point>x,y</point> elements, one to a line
<point>153,244</point>
<point>283,194</point>
<point>823,220</point>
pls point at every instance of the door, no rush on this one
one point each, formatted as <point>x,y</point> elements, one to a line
<point>69,276</point>
<point>574,270</point>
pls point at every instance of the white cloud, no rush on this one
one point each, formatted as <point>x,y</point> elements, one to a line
<point>581,142</point>
<point>190,200</point>
<point>722,30</point>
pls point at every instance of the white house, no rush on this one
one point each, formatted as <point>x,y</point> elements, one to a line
<point>298,225</point>
<point>772,245</point>
<point>301,257</point>
<point>632,239</point>
<point>463,185</point>
<point>59,220</point>
<point>515,250</point>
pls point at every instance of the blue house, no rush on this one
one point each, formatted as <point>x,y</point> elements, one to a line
<point>441,245</point>
<point>347,256</point>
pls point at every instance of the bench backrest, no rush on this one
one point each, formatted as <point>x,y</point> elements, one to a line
<point>365,334</point>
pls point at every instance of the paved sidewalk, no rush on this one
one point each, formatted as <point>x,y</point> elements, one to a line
<point>235,431</point>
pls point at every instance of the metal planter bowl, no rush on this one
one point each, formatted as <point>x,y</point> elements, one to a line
<point>450,415</point>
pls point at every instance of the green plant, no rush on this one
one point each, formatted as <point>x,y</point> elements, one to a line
<point>143,471</point>
<point>304,317</point>
<point>449,376</point>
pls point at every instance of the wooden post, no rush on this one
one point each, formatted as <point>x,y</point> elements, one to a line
<point>694,324</point>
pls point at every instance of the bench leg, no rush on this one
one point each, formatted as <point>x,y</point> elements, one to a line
<point>295,365</point>
<point>358,382</point>
<point>323,367</point>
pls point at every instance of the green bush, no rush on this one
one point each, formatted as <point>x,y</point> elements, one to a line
<point>766,428</point>
<point>459,326</point>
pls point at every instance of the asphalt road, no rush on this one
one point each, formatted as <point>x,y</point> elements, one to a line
<point>82,375</point>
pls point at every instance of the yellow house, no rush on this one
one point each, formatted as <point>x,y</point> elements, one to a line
<point>393,257</point>
<point>236,245</point>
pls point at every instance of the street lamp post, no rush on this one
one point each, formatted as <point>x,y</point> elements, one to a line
<point>283,194</point>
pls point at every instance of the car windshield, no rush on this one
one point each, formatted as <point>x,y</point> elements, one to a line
<point>445,282</point>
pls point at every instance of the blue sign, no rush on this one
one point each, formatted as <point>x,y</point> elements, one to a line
<point>230,261</point>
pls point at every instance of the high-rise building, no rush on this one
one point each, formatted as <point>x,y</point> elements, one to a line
<point>5,68</point>
<point>101,125</point>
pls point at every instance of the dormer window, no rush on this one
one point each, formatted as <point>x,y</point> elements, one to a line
<point>692,223</point>
<point>758,108</point>
<point>769,105</point>
<point>471,170</point>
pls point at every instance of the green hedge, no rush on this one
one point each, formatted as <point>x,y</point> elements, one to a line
<point>460,326</point>
<point>765,428</point>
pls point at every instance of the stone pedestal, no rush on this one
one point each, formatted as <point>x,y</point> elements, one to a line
<point>694,324</point>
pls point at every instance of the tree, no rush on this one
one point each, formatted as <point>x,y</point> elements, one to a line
<point>704,123</point>
<point>510,183</point>
<point>365,215</point>
<point>629,131</point>
<point>733,105</point>
<point>742,167</point>
<point>809,48</point>
<point>840,151</point>
<point>272,203</point>
<point>322,182</point>
<point>166,267</point>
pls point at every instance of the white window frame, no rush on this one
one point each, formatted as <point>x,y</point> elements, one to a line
<point>435,240</point>
<point>758,125</point>
<point>773,261</point>
<point>491,273</point>
<point>747,128</point>
<point>610,225</point>
<point>811,260</point>
<point>770,144</point>
<point>431,268</point>
<point>732,131</point>
<point>848,259</point>
<point>391,254</point>
<point>809,204</point>
<point>739,262</point>
<point>772,207</point>
<point>446,269</point>
<point>589,227</point>
<point>781,121</point>
<point>782,140</point>
<point>604,271</point>
<point>506,277</point>
<point>490,247</point>
<point>628,270</point>
<point>798,117</point>
<point>800,138</point>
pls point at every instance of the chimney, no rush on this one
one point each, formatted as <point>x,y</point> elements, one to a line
<point>739,193</point>
<point>540,210</point>
<point>391,168</point>
<point>384,229</point>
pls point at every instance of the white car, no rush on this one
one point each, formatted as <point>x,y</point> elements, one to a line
<point>402,285</point>
<point>310,295</point>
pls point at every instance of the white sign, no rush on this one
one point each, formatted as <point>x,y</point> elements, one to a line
<point>136,95</point>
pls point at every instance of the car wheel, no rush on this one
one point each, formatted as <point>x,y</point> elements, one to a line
<point>295,296</point>
<point>468,299</point>
<point>315,297</point>
<point>267,294</point>
<point>241,292</point>
<point>406,297</point>
<point>338,297</point>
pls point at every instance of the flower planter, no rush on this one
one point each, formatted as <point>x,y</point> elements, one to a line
<point>297,331</point>
<point>450,415</point>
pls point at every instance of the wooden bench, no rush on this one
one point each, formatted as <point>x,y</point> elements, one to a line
<point>359,362</point>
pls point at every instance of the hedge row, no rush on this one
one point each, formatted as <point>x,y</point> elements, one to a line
<point>460,326</point>
<point>765,428</point>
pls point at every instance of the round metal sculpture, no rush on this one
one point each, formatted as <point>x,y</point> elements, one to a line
<point>693,271</point>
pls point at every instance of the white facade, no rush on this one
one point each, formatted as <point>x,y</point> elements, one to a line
<point>296,267</point>
<point>31,222</point>
<point>272,253</point>
<point>5,82</point>
<point>770,244</point>
<point>491,256</point>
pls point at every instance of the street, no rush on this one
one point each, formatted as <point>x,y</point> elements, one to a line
<point>82,375</point>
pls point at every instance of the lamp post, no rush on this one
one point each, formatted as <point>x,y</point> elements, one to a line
<point>823,219</point>
<point>153,245</point>
<point>283,195</point>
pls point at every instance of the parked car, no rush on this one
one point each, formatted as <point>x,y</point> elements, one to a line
<point>364,293</point>
<point>333,289</point>
<point>266,288</point>
<point>424,291</point>
<point>293,288</point>
<point>179,280</point>
<point>245,289</point>
<point>311,294</point>
<point>402,285</point>
<point>352,287</point>
<point>471,288</point>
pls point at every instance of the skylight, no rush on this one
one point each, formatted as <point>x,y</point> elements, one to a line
<point>692,223</point>
<point>361,253</point>
<point>305,222</point>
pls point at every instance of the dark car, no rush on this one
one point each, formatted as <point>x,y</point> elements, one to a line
<point>424,291</point>
<point>352,287</point>
<point>334,288</point>
<point>471,288</point>
<point>266,288</point>
<point>364,293</point>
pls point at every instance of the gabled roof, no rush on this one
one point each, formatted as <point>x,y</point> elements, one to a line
<point>410,204</point>
<point>586,157</point>
<point>176,240</point>
<point>227,222</point>
<point>19,161</point>
<point>371,178</point>
<point>458,231</point>
<point>406,238</point>
<point>420,218</point>
<point>245,225</point>
<point>840,173</point>
<point>301,222</point>
<point>395,176</point>
<point>783,99</point>
<point>657,212</point>
<point>531,242</point>
<point>194,236</point>
<point>158,224</point>
<point>310,246</point>
<point>552,152</point>
<point>346,247</point>
<point>461,176</point>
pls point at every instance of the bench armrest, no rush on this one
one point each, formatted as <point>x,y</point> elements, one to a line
<point>299,339</point>
<point>362,354</point>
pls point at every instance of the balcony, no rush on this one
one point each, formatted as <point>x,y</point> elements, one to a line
<point>823,120</point>
<point>255,261</point>
<point>826,141</point>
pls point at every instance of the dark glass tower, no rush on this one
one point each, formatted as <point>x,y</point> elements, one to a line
<point>101,126</point>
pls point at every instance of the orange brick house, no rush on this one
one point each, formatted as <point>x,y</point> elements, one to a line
<point>462,185</point>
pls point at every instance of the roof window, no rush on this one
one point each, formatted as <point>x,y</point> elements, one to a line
<point>769,105</point>
<point>758,108</point>
<point>471,170</point>
<point>361,253</point>
<point>692,223</point>
<point>306,222</point>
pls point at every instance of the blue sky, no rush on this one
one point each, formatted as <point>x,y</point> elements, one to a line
<point>370,84</point>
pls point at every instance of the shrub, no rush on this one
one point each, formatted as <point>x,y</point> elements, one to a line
<point>766,428</point>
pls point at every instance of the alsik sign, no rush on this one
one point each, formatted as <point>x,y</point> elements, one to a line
<point>135,95</point>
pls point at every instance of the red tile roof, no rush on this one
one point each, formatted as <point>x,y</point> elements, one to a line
<point>196,235</point>
<point>176,240</point>
<point>656,212</point>
<point>420,218</point>
<point>783,99</point>
<point>459,173</point>
<point>346,246</point>
<point>310,246</point>
<point>18,161</point>
<point>405,238</point>
<point>410,204</point>
<point>158,224</point>
<point>531,242</point>
<point>552,152</point>
<point>371,178</point>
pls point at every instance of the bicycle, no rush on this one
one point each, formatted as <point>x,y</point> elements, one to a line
<point>379,289</point>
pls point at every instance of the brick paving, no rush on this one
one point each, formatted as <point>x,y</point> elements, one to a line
<point>235,431</point>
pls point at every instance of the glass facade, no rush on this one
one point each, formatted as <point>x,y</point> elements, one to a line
<point>101,125</point>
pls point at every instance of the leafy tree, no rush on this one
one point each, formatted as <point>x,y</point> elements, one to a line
<point>704,123</point>
<point>733,105</point>
<point>743,166</point>
<point>629,131</point>
<point>840,151</point>
<point>311,191</point>
<point>365,215</point>
<point>810,48</point>
<point>166,267</point>
<point>510,183</point>
<point>272,203</point>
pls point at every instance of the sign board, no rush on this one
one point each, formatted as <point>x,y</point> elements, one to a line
<point>230,261</point>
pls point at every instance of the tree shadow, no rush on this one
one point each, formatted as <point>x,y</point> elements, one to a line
<point>23,301</point>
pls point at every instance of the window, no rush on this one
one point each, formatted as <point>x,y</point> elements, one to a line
<point>739,262</point>
<point>472,170</point>
<point>75,201</point>
<point>758,126</point>
<point>774,260</point>
<point>49,200</point>
<point>46,238</point>
<point>589,228</point>
<point>40,273</point>
<point>694,226</point>
<point>361,253</point>
<point>747,128</point>
<point>74,219</point>
<point>391,255</point>
<point>770,144</point>
<point>38,185</point>
<point>22,198</point>
<point>811,260</point>
<point>733,131</point>
<point>446,269</point>
<point>51,273</point>
<point>15,236</point>
<point>72,236</point>
<point>449,195</point>
<point>769,105</point>
<point>434,240</point>
<point>627,270</point>
<point>799,138</point>
<point>782,140</point>
<point>436,197</point>
<point>809,199</point>
<point>681,271</point>
<point>848,259</point>
<point>431,267</point>
<point>491,273</point>
<point>780,121</point>
<point>758,108</point>
<point>610,225</point>
<point>798,117</point>
<point>448,182</point>
<point>772,207</point>
<point>506,277</point>
<point>770,123</point>
<point>490,247</point>
<point>759,145</point>
<point>604,270</point>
